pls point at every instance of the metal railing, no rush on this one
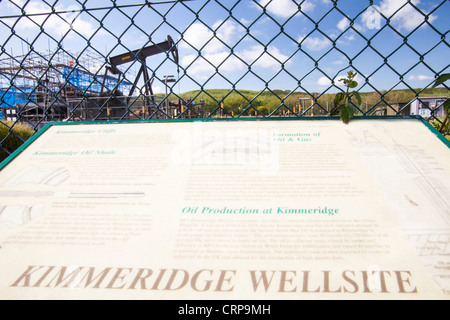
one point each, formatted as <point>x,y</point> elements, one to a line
<point>122,60</point>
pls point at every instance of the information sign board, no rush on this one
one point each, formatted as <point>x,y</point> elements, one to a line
<point>276,209</point>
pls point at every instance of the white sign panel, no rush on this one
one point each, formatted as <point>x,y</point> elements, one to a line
<point>228,210</point>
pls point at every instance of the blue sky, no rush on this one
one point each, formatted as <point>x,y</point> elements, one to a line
<point>249,47</point>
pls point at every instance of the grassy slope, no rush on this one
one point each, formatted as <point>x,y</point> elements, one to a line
<point>394,96</point>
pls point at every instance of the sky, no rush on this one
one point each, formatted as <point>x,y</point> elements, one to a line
<point>246,44</point>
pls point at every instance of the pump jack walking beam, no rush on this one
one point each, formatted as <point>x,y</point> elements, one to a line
<point>141,55</point>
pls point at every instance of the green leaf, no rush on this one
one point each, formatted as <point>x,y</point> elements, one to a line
<point>351,75</point>
<point>338,98</point>
<point>334,111</point>
<point>357,96</point>
<point>346,113</point>
<point>352,84</point>
<point>447,106</point>
<point>441,79</point>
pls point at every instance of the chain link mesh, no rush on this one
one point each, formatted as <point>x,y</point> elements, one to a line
<point>60,60</point>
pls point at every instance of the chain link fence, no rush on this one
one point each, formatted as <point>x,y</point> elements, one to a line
<point>73,60</point>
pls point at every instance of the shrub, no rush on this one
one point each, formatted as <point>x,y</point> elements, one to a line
<point>12,136</point>
<point>442,127</point>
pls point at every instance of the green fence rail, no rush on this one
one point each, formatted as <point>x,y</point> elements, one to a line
<point>73,60</point>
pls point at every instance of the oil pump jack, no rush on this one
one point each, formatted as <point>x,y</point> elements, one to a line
<point>141,55</point>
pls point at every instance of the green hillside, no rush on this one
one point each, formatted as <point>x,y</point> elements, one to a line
<point>235,101</point>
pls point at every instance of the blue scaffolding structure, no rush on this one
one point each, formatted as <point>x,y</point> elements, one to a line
<point>83,82</point>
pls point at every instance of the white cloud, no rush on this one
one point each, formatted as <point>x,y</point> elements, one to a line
<point>343,24</point>
<point>404,15</point>
<point>199,37</point>
<point>56,24</point>
<point>338,62</point>
<point>420,78</point>
<point>324,82</point>
<point>350,37</point>
<point>314,43</point>
<point>206,65</point>
<point>215,55</point>
<point>245,21</point>
<point>226,30</point>
<point>271,58</point>
<point>286,8</point>
<point>158,89</point>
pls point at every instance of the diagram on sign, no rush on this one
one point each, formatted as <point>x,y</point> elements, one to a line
<point>18,215</point>
<point>413,178</point>
<point>37,175</point>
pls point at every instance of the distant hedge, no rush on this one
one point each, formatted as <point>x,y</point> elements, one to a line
<point>12,137</point>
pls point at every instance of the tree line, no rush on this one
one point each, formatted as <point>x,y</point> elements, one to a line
<point>247,102</point>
